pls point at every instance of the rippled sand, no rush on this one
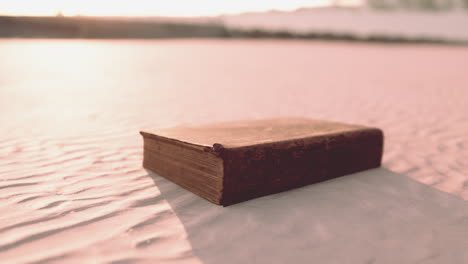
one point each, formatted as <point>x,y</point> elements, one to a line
<point>72,189</point>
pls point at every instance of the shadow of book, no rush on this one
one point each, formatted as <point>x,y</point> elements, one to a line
<point>376,216</point>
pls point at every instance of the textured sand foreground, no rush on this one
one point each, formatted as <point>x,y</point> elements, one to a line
<point>72,189</point>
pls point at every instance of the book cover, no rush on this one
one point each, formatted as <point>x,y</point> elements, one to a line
<point>231,162</point>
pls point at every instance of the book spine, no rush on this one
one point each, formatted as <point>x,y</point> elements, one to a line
<point>259,170</point>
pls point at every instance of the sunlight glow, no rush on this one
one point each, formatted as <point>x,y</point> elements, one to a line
<point>149,7</point>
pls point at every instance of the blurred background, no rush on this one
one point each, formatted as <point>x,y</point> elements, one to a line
<point>80,79</point>
<point>381,20</point>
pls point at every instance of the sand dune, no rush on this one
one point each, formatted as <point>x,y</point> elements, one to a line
<point>362,20</point>
<point>72,189</point>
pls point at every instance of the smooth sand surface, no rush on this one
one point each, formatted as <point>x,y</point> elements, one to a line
<point>372,217</point>
<point>72,189</point>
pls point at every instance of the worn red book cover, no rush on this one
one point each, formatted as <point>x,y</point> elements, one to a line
<point>231,162</point>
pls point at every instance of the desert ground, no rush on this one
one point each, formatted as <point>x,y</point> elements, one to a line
<point>73,189</point>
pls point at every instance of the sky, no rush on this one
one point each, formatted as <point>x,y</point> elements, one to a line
<point>149,7</point>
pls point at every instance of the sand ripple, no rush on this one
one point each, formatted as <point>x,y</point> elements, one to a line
<point>72,188</point>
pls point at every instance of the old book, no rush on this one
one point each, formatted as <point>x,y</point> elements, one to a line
<point>231,162</point>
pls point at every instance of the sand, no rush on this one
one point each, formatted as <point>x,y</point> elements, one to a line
<point>72,189</point>
<point>360,20</point>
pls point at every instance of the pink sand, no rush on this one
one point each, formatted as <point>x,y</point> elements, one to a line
<point>73,189</point>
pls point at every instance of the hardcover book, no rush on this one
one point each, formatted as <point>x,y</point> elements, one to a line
<point>231,162</point>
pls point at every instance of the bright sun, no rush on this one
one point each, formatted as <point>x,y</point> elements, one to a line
<point>149,7</point>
